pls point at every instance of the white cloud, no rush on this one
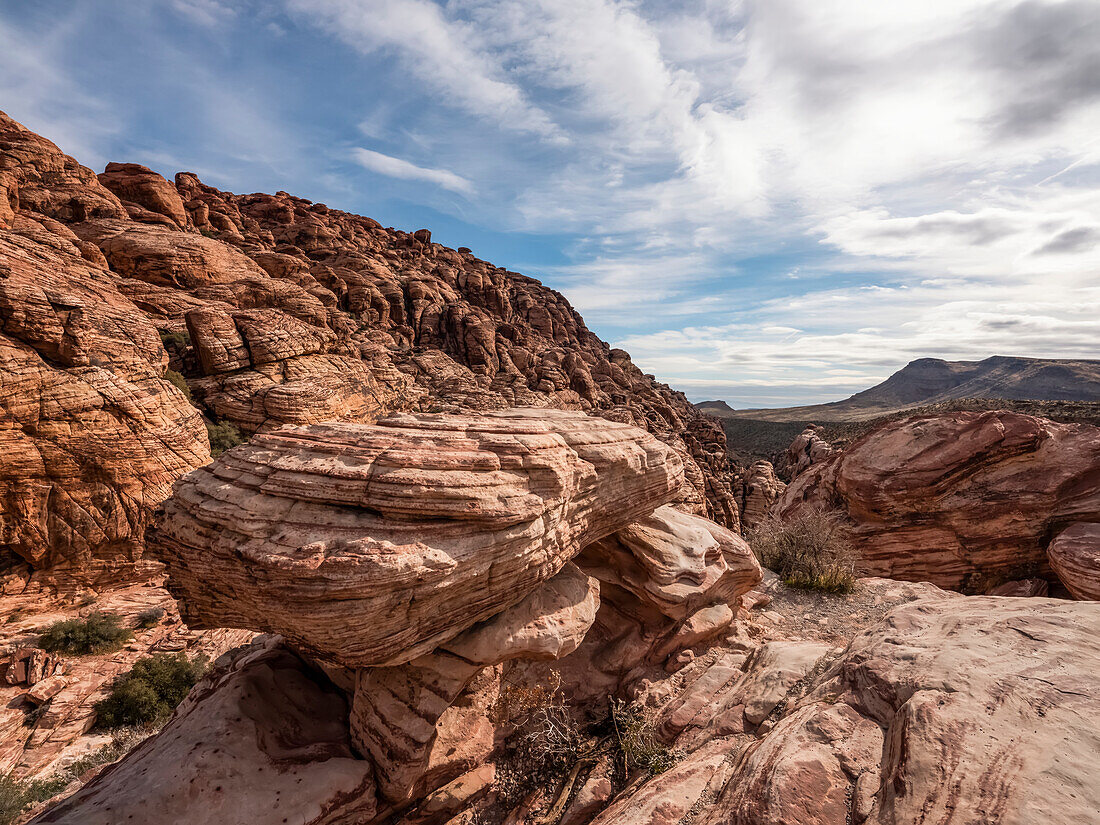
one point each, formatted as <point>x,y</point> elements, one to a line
<point>441,52</point>
<point>398,168</point>
<point>204,12</point>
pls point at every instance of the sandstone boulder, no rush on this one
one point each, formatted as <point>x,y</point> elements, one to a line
<point>761,489</point>
<point>1074,555</point>
<point>677,562</point>
<point>260,740</point>
<point>807,449</point>
<point>959,499</point>
<point>371,545</point>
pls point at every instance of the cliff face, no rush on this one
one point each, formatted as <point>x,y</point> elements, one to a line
<point>275,310</point>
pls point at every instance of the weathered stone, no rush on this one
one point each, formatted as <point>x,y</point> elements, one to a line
<point>372,545</point>
<point>958,499</point>
<point>1074,554</point>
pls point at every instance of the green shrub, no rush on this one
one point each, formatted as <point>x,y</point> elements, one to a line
<point>808,550</point>
<point>96,633</point>
<point>224,436</point>
<point>150,618</point>
<point>147,695</point>
<point>177,380</point>
<point>15,795</point>
<point>178,341</point>
<point>636,736</point>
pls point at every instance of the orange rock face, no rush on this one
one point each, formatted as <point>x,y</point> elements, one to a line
<point>91,435</point>
<point>961,500</point>
<point>279,311</point>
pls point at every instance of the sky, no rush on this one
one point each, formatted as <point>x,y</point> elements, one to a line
<point>771,202</point>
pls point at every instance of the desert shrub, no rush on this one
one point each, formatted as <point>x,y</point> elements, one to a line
<point>149,692</point>
<point>223,437</point>
<point>96,633</point>
<point>636,736</point>
<point>808,550</point>
<point>15,795</point>
<point>546,723</point>
<point>177,380</point>
<point>150,618</point>
<point>178,341</point>
<point>122,742</point>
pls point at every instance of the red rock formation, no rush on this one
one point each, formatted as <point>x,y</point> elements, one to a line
<point>963,499</point>
<point>296,313</point>
<point>91,435</point>
<point>807,449</point>
<point>760,490</point>
<point>960,710</point>
<point>261,740</point>
<point>1074,555</point>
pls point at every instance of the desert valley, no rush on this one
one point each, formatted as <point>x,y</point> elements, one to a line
<point>308,520</point>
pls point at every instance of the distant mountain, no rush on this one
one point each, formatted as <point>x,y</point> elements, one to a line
<point>929,381</point>
<point>714,407</point>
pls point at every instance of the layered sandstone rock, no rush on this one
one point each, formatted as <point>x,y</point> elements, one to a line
<point>91,435</point>
<point>807,449</point>
<point>953,709</point>
<point>260,740</point>
<point>1074,555</point>
<point>420,564</point>
<point>676,562</point>
<point>961,499</point>
<point>761,489</point>
<point>373,544</point>
<point>396,713</point>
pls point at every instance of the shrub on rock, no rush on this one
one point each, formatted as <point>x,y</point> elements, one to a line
<point>223,437</point>
<point>98,632</point>
<point>149,692</point>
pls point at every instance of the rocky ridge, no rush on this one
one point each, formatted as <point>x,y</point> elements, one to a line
<point>276,311</point>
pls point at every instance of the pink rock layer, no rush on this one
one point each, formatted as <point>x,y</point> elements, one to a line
<point>372,544</point>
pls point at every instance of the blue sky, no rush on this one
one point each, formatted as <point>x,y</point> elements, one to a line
<point>771,202</point>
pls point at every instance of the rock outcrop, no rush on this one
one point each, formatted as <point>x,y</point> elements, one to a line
<point>416,567</point>
<point>807,449</point>
<point>760,490</point>
<point>276,311</point>
<point>370,545</point>
<point>91,434</point>
<point>952,709</point>
<point>1074,555</point>
<point>964,500</point>
<point>261,734</point>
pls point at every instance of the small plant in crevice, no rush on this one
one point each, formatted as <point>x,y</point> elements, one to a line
<point>150,617</point>
<point>224,436</point>
<point>146,695</point>
<point>808,550</point>
<point>177,380</point>
<point>97,632</point>
<point>637,740</point>
<point>178,341</point>
<point>541,716</point>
